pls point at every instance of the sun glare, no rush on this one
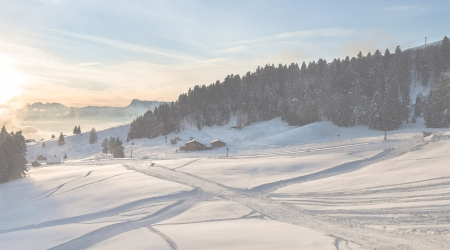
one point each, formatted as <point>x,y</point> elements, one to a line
<point>10,80</point>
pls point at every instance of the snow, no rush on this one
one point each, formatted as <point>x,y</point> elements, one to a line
<point>60,199</point>
<point>141,238</point>
<point>281,187</point>
<point>252,234</point>
<point>247,173</point>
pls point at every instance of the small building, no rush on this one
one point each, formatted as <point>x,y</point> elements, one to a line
<point>41,158</point>
<point>193,145</point>
<point>218,144</point>
<point>54,160</point>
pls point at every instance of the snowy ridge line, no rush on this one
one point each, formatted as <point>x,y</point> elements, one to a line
<point>106,232</point>
<point>340,169</point>
<point>169,241</point>
<point>110,212</point>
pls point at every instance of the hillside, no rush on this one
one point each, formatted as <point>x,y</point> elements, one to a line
<point>379,90</point>
<point>280,185</point>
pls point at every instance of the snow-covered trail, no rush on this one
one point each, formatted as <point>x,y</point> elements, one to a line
<point>110,212</point>
<point>104,233</point>
<point>282,212</point>
<point>340,169</point>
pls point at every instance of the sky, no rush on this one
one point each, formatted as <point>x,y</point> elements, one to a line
<point>108,52</point>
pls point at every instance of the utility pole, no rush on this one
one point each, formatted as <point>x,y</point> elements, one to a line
<point>385,132</point>
<point>166,138</point>
<point>425,40</point>
<point>227,152</point>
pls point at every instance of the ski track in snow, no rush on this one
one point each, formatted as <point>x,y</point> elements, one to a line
<point>110,212</point>
<point>169,241</point>
<point>360,227</point>
<point>54,190</point>
<point>104,233</point>
<point>289,213</point>
<point>340,169</point>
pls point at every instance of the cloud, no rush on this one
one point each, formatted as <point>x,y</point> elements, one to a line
<point>302,34</point>
<point>122,45</point>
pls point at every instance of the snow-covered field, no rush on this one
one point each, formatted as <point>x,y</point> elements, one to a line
<point>281,187</point>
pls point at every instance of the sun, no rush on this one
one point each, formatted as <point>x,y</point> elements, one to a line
<point>10,80</point>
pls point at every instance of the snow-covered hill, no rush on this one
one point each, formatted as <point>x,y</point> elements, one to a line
<point>313,187</point>
<point>257,138</point>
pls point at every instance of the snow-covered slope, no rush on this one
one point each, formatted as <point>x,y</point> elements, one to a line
<point>313,187</point>
<point>254,139</point>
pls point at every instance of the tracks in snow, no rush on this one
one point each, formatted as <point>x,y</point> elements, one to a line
<point>257,200</point>
<point>276,210</point>
<point>337,170</point>
<point>110,231</point>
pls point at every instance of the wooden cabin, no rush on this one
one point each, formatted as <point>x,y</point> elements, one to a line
<point>193,145</point>
<point>218,144</point>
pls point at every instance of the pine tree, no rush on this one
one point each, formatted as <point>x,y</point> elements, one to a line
<point>4,177</point>
<point>418,106</point>
<point>445,52</point>
<point>391,119</point>
<point>13,154</point>
<point>105,144</point>
<point>79,129</point>
<point>43,144</point>
<point>375,111</point>
<point>111,144</point>
<point>93,138</point>
<point>119,149</point>
<point>75,130</point>
<point>3,134</point>
<point>20,160</point>
<point>437,111</point>
<point>61,140</point>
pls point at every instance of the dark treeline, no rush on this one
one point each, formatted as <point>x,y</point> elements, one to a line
<point>372,90</point>
<point>12,155</point>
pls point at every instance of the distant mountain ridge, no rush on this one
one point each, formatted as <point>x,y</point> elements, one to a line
<point>51,111</point>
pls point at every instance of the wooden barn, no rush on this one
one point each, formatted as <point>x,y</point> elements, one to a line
<point>193,145</point>
<point>218,144</point>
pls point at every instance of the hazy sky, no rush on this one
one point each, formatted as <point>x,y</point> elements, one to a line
<point>107,52</point>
